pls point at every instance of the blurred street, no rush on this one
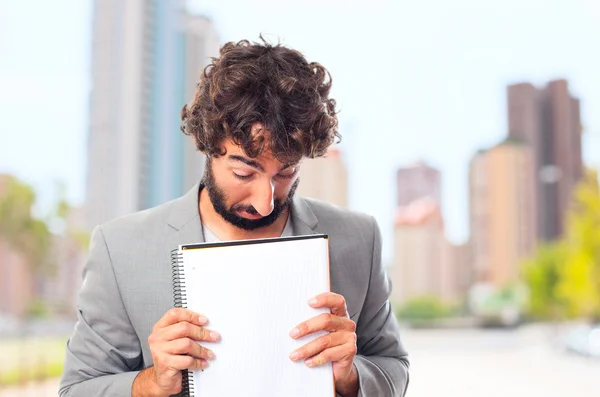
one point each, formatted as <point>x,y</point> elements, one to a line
<point>489,363</point>
<point>45,389</point>
<point>474,363</point>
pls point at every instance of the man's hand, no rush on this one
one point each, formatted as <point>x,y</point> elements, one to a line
<point>174,348</point>
<point>339,346</point>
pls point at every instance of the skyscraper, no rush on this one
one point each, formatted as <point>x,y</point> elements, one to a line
<point>501,211</point>
<point>325,179</point>
<point>417,181</point>
<point>418,236</point>
<point>425,262</point>
<point>548,119</point>
<point>142,63</point>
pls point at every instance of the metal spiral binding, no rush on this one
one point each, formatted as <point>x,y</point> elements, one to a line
<point>180,300</point>
<point>179,291</point>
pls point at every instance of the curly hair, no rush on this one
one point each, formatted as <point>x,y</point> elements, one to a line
<point>270,84</point>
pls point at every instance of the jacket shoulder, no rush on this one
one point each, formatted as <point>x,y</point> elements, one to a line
<point>139,223</point>
<point>330,215</point>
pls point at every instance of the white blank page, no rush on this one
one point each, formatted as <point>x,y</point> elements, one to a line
<point>253,295</point>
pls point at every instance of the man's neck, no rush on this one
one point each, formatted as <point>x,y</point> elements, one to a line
<point>226,231</point>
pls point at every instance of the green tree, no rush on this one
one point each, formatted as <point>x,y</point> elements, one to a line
<point>22,231</point>
<point>423,308</point>
<point>579,279</point>
<point>563,277</point>
<point>541,273</point>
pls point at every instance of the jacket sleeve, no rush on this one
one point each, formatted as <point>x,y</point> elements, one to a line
<point>381,362</point>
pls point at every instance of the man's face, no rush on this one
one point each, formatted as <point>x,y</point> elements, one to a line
<point>249,193</point>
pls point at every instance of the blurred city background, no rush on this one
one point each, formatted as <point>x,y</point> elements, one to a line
<point>471,131</point>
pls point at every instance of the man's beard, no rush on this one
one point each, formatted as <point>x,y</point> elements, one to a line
<point>219,202</point>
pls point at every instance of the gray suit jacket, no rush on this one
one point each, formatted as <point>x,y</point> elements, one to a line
<point>127,287</point>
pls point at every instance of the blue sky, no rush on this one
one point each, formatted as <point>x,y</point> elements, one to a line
<point>414,80</point>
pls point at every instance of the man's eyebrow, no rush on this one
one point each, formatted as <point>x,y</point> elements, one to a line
<point>256,164</point>
<point>289,165</point>
<point>247,161</point>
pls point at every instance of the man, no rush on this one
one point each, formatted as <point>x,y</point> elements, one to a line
<point>258,112</point>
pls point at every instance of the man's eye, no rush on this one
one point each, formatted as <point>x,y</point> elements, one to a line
<point>242,177</point>
<point>288,174</point>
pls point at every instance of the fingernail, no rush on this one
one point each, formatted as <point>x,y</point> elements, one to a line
<point>214,335</point>
<point>295,332</point>
<point>309,362</point>
<point>204,364</point>
<point>312,302</point>
<point>202,320</point>
<point>210,354</point>
<point>294,356</point>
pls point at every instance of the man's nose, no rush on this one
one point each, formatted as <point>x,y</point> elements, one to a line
<point>264,201</point>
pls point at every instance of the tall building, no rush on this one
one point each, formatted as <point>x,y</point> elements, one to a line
<point>142,63</point>
<point>418,245</point>
<point>502,211</point>
<point>425,263</point>
<point>455,273</point>
<point>417,181</point>
<point>548,119</point>
<point>325,179</point>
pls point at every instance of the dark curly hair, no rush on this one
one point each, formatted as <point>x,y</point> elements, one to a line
<point>270,84</point>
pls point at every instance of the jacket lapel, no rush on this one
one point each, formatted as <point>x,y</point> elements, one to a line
<point>184,219</point>
<point>304,220</point>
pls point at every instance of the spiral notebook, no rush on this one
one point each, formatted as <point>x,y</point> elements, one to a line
<point>254,292</point>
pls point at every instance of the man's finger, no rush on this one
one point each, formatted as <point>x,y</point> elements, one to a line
<point>177,315</point>
<point>335,302</point>
<point>188,330</point>
<point>335,354</point>
<point>185,362</point>
<point>190,347</point>
<point>323,322</point>
<point>322,343</point>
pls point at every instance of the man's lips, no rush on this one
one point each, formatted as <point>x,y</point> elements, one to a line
<point>248,215</point>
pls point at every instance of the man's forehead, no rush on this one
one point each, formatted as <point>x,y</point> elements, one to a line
<point>266,158</point>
